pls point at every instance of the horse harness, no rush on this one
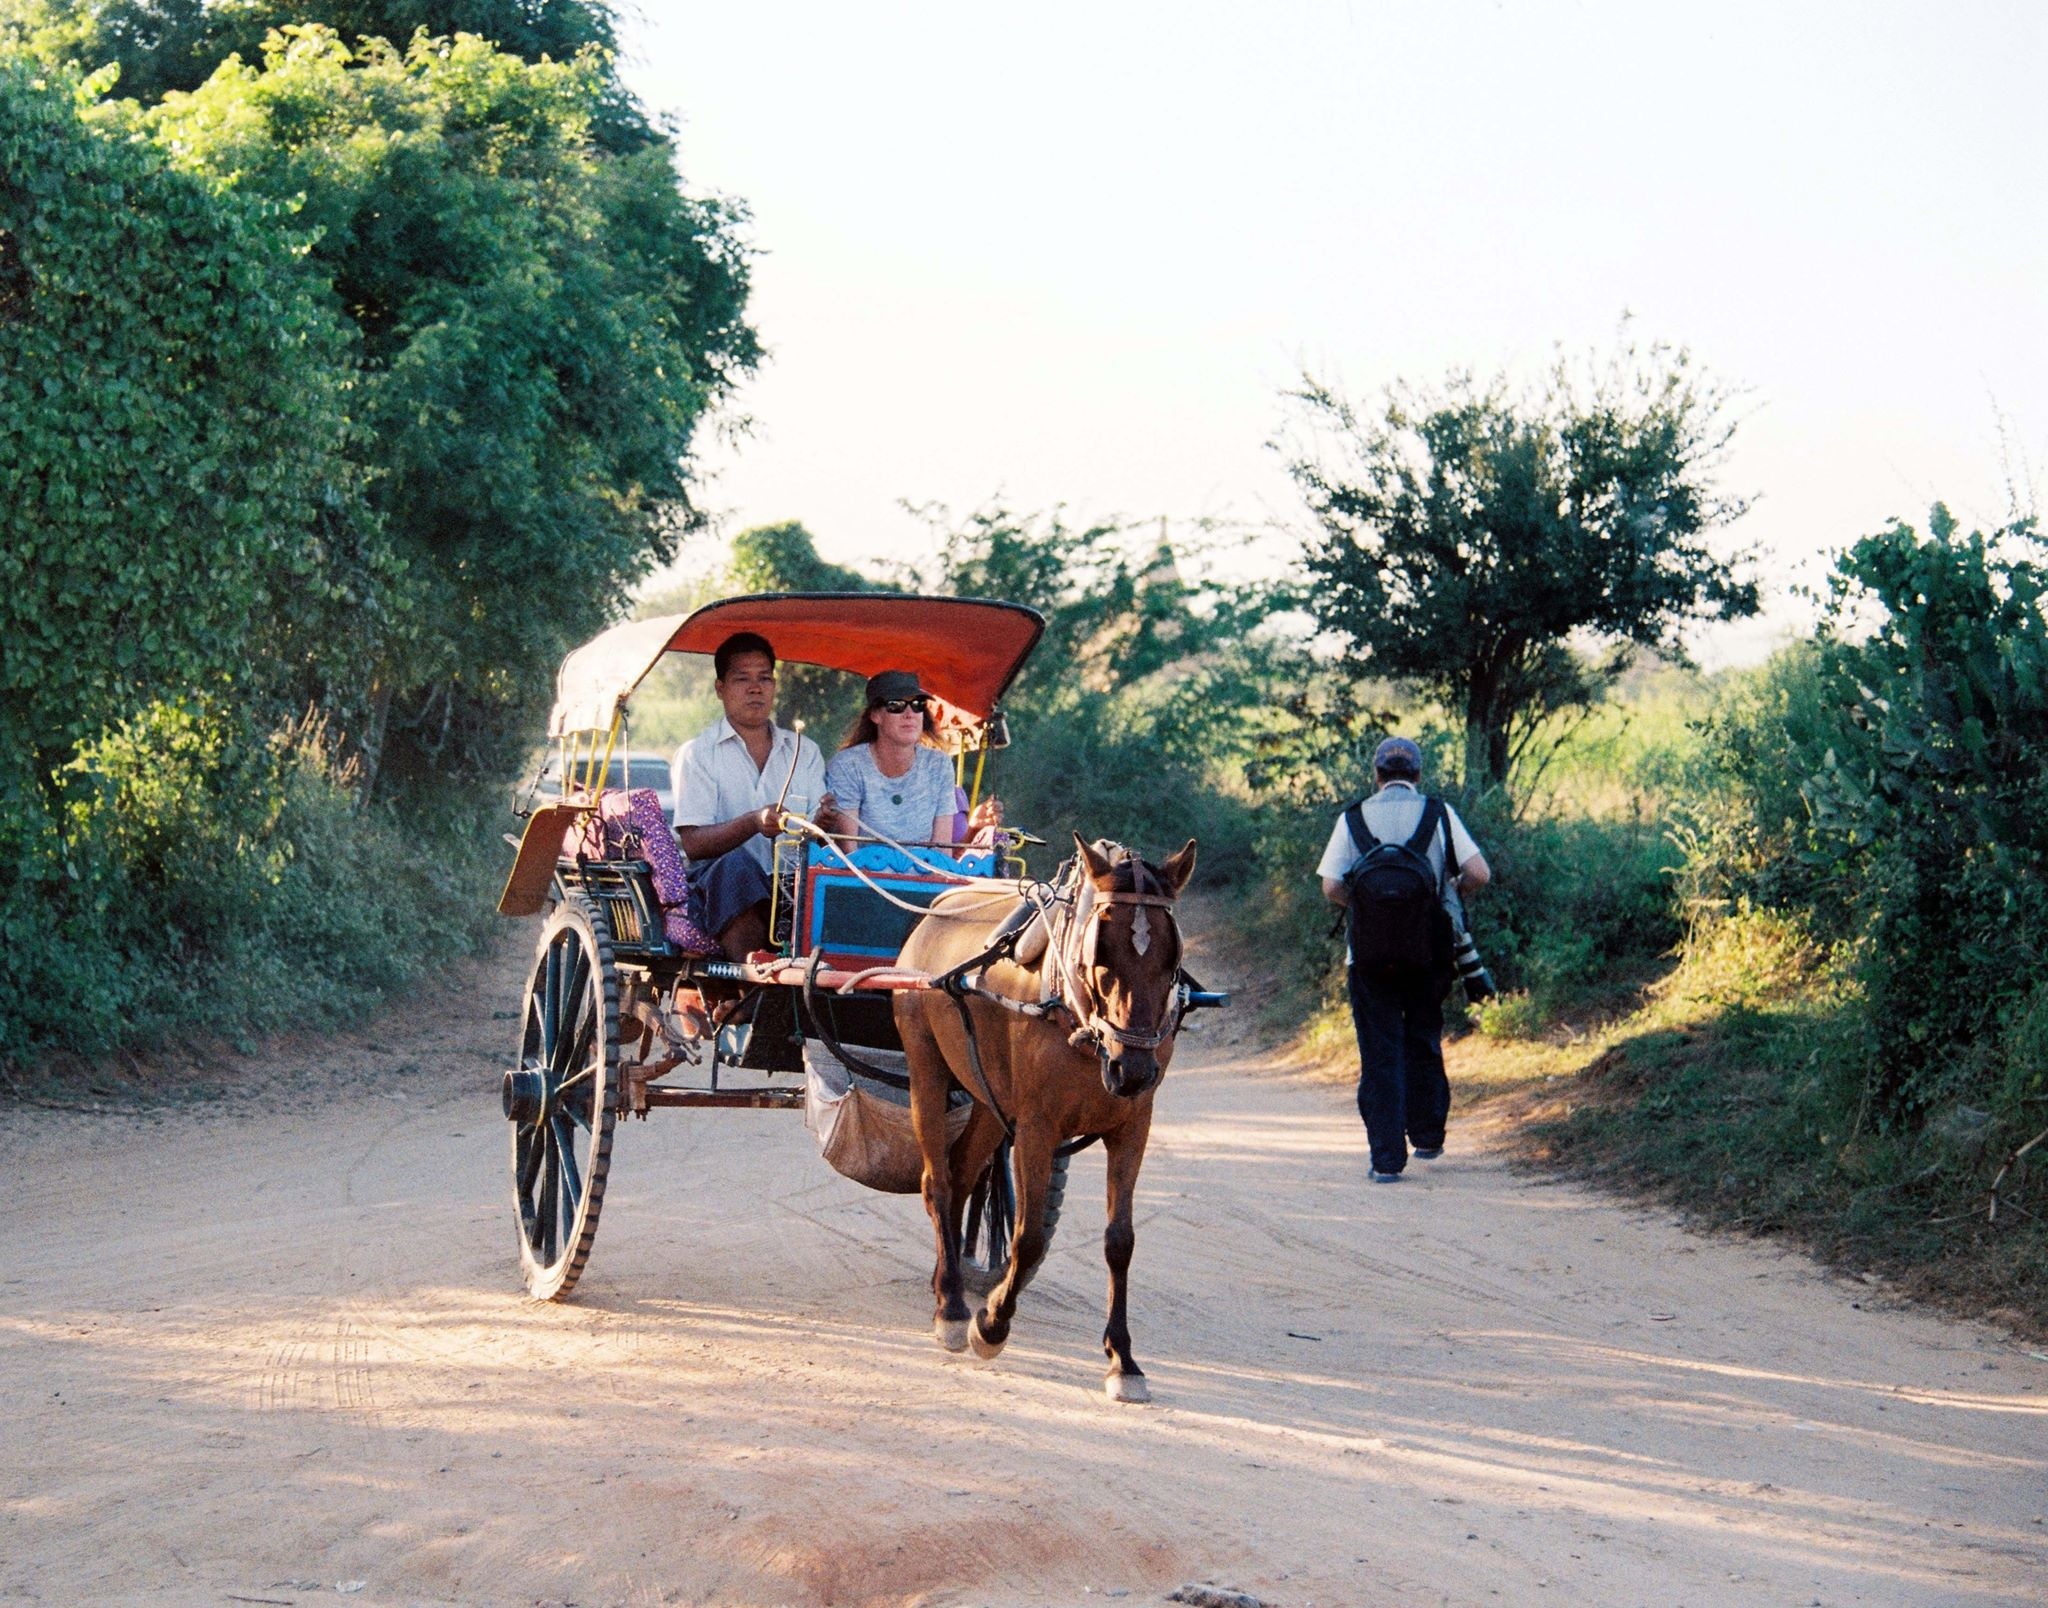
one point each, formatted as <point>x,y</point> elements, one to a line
<point>1073,934</point>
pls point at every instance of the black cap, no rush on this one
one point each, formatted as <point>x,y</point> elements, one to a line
<point>893,684</point>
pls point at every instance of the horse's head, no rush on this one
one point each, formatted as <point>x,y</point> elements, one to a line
<point>1128,961</point>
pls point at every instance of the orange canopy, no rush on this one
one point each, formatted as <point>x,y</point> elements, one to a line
<point>966,650</point>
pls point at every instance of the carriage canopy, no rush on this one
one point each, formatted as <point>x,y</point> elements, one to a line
<point>965,650</point>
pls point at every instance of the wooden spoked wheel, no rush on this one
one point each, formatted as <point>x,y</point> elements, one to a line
<point>562,1097</point>
<point>992,1218</point>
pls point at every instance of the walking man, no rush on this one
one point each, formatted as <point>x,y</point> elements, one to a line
<point>1389,864</point>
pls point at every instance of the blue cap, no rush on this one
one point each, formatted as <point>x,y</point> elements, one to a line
<point>1397,756</point>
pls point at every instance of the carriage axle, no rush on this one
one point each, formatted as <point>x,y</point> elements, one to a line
<point>524,1096</point>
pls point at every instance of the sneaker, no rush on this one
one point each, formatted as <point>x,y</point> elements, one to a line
<point>1379,1177</point>
<point>1429,1155</point>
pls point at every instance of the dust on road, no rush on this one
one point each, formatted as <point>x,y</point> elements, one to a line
<point>271,1348</point>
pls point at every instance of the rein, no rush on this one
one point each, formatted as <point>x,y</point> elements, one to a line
<point>1071,936</point>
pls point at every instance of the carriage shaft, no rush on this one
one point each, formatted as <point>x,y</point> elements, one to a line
<point>763,1099</point>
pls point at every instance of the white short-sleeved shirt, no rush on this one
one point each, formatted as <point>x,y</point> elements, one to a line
<point>715,780</point>
<point>1392,815</point>
<point>902,807</point>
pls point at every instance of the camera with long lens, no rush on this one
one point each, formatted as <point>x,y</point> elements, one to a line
<point>1471,969</point>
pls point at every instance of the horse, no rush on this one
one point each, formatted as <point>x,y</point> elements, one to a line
<point>1068,1044</point>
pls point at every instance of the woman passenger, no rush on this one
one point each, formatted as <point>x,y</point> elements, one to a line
<point>890,780</point>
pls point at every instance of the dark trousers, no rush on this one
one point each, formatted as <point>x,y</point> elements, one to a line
<point>724,889</point>
<point>1403,1094</point>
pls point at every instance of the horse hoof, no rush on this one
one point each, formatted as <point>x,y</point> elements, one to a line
<point>1120,1386</point>
<point>952,1333</point>
<point>980,1342</point>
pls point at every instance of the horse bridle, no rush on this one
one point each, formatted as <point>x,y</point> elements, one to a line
<point>1091,1025</point>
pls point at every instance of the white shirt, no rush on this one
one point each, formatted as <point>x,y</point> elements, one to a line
<point>1392,815</point>
<point>715,779</point>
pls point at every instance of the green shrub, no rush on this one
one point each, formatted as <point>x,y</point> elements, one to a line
<point>178,508</point>
<point>1579,910</point>
<point>1884,785</point>
<point>232,889</point>
<point>1085,762</point>
<point>360,382</point>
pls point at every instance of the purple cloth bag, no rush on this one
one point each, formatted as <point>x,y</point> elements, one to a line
<point>630,825</point>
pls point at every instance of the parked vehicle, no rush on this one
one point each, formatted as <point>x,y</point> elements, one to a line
<point>624,772</point>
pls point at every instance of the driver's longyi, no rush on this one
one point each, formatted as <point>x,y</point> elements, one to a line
<point>727,780</point>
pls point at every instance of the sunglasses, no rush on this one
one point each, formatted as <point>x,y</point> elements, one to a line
<point>901,706</point>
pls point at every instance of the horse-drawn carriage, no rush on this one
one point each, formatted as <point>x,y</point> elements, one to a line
<point>629,1008</point>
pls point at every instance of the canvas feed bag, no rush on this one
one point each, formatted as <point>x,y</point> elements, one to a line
<point>863,1124</point>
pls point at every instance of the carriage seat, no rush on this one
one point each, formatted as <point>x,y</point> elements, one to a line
<point>631,825</point>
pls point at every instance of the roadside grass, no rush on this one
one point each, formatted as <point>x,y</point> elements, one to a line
<point>345,906</point>
<point>1630,756</point>
<point>1735,1091</point>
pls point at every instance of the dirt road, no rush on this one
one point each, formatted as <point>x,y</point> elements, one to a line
<point>275,1350</point>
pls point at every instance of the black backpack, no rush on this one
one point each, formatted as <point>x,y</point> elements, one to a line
<point>1399,927</point>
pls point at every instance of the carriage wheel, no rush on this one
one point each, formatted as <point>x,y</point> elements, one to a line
<point>562,1098</point>
<point>992,1218</point>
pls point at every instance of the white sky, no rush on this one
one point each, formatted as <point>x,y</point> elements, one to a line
<point>1073,253</point>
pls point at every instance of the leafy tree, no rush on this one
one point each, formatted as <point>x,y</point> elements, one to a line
<point>162,46</point>
<point>1119,610</point>
<point>1469,540</point>
<point>1147,689</point>
<point>542,326</point>
<point>188,559</point>
<point>179,514</point>
<point>785,558</point>
<point>1926,800</point>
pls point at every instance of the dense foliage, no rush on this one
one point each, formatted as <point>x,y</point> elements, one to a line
<point>1852,1046</point>
<point>541,328</point>
<point>161,46</point>
<point>1466,537</point>
<point>339,395</point>
<point>1885,787</point>
<point>180,507</point>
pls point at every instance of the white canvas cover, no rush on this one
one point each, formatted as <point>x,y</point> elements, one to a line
<point>599,676</point>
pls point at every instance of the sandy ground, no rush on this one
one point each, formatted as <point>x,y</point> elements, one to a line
<point>274,1348</point>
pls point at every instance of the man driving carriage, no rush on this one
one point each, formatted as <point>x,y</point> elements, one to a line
<point>730,796</point>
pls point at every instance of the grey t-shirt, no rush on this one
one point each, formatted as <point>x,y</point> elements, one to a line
<point>902,807</point>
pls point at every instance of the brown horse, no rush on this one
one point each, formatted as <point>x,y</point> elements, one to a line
<point>1068,1044</point>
